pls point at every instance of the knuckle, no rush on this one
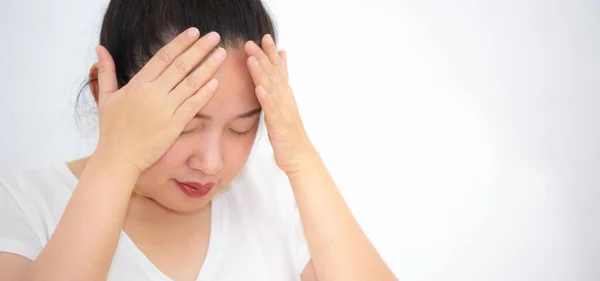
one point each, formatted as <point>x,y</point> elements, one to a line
<point>163,56</point>
<point>190,84</point>
<point>138,88</point>
<point>190,106</point>
<point>203,46</point>
<point>210,68</point>
<point>144,87</point>
<point>277,62</point>
<point>206,42</point>
<point>180,66</point>
<point>181,42</point>
<point>101,69</point>
<point>267,85</point>
<point>271,77</point>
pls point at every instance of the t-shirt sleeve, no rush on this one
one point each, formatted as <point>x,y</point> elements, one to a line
<point>16,233</point>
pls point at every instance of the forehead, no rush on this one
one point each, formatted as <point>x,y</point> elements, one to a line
<point>235,93</point>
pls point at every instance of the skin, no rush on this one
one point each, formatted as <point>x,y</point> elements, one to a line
<point>134,165</point>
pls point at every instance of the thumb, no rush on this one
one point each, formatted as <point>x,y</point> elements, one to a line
<point>107,77</point>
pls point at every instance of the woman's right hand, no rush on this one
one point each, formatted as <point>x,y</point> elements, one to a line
<point>140,121</point>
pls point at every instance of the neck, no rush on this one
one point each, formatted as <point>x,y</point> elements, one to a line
<point>144,210</point>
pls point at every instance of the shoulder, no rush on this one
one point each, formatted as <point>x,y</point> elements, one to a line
<point>34,190</point>
<point>31,203</point>
<point>38,179</point>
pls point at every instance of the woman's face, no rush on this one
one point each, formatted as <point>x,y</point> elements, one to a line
<point>212,148</point>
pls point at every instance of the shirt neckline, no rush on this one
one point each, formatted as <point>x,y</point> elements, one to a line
<point>214,242</point>
<point>210,261</point>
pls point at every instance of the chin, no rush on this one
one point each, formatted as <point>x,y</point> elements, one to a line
<point>184,207</point>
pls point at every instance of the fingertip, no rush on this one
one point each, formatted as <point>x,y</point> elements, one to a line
<point>252,61</point>
<point>213,37</point>
<point>251,47</point>
<point>260,91</point>
<point>102,53</point>
<point>283,55</point>
<point>267,40</point>
<point>193,33</point>
<point>98,54</point>
<point>213,84</point>
<point>247,47</point>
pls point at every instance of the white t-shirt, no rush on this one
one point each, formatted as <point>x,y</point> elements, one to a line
<point>256,233</point>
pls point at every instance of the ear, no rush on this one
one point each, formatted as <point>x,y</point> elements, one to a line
<point>93,78</point>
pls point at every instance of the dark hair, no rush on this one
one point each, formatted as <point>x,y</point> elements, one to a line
<point>134,30</point>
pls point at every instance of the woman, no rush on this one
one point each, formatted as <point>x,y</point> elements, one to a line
<point>169,192</point>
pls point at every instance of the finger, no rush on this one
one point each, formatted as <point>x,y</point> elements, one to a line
<point>283,55</point>
<point>93,78</point>
<point>190,107</point>
<point>259,76</point>
<point>107,77</point>
<point>167,54</point>
<point>188,61</point>
<point>270,50</point>
<point>253,50</point>
<point>196,80</point>
<point>266,101</point>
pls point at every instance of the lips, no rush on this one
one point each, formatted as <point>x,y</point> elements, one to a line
<point>198,185</point>
<point>195,189</point>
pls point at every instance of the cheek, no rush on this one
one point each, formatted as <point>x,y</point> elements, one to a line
<point>236,151</point>
<point>171,161</point>
<point>177,154</point>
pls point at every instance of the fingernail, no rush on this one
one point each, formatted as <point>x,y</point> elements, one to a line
<point>213,37</point>
<point>219,54</point>
<point>270,39</point>
<point>212,83</point>
<point>193,33</point>
<point>253,46</point>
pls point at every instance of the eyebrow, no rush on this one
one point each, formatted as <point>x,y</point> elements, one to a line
<point>239,116</point>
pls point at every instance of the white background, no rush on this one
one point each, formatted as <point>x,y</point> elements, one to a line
<point>464,134</point>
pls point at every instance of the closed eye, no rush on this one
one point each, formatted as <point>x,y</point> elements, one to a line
<point>240,134</point>
<point>243,133</point>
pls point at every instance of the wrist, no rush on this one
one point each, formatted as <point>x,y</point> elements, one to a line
<point>113,162</point>
<point>307,161</point>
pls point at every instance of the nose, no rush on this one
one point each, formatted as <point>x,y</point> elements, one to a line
<point>207,159</point>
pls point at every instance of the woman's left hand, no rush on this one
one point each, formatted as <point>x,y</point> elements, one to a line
<point>268,68</point>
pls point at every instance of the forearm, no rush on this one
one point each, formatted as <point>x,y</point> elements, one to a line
<point>339,248</point>
<point>87,234</point>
